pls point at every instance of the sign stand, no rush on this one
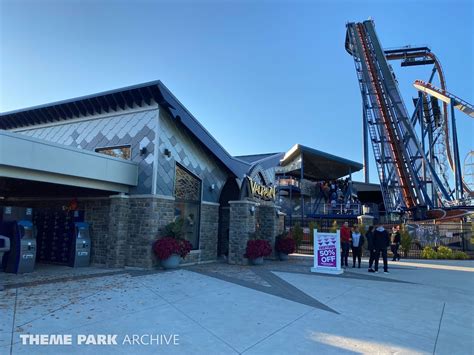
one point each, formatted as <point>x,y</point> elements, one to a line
<point>327,253</point>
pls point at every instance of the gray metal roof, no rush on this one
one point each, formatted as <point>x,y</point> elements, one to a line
<point>317,165</point>
<point>252,158</point>
<point>110,101</point>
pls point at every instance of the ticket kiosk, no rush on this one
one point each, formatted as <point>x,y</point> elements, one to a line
<point>16,224</point>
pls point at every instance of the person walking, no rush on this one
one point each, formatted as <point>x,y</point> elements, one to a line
<point>345,233</point>
<point>357,243</point>
<point>381,243</point>
<point>395,243</point>
<point>370,247</point>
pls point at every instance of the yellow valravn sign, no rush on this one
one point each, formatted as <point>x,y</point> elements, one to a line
<point>261,191</point>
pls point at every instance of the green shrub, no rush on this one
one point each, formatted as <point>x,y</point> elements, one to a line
<point>297,234</point>
<point>444,253</point>
<point>405,240</point>
<point>174,229</point>
<point>312,226</point>
<point>460,255</point>
<point>334,227</point>
<point>428,253</point>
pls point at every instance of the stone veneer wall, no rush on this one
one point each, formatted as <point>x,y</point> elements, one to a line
<point>147,217</point>
<point>242,223</point>
<point>118,231</point>
<point>224,226</point>
<point>209,231</point>
<point>268,220</point>
<point>123,227</point>
<point>97,215</point>
<point>281,222</point>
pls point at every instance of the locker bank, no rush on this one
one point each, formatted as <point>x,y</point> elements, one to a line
<point>43,236</point>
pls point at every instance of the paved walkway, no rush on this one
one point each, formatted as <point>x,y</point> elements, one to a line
<point>421,307</point>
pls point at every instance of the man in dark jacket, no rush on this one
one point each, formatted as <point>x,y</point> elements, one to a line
<point>370,247</point>
<point>381,243</point>
<point>395,242</point>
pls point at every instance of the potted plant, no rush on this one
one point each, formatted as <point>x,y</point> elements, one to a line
<point>285,245</point>
<point>257,249</point>
<point>171,248</point>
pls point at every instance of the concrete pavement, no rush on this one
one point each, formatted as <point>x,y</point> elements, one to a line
<point>419,308</point>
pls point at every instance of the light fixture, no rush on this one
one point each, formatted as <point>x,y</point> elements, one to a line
<point>212,187</point>
<point>252,210</point>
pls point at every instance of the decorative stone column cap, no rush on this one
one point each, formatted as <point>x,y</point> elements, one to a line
<point>243,202</point>
<point>120,195</point>
<point>209,203</point>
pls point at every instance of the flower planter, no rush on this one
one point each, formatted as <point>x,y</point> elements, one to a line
<point>283,256</point>
<point>257,261</point>
<point>285,245</point>
<point>172,262</point>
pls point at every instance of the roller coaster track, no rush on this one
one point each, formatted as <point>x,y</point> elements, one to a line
<point>423,53</point>
<point>400,162</point>
<point>448,99</point>
<point>404,170</point>
<point>445,96</point>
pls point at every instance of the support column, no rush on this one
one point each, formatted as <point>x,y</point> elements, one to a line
<point>269,225</point>
<point>281,222</point>
<point>209,231</point>
<point>365,135</point>
<point>117,246</point>
<point>242,223</point>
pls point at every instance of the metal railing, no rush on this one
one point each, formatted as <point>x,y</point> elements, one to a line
<point>339,209</point>
<point>282,182</point>
<point>456,236</point>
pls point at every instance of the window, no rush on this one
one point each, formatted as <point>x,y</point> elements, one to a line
<point>122,152</point>
<point>187,192</point>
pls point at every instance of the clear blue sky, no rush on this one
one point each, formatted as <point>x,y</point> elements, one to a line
<point>259,75</point>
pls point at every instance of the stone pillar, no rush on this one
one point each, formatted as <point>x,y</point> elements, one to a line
<point>268,216</point>
<point>117,245</point>
<point>223,237</point>
<point>242,223</point>
<point>209,231</point>
<point>97,213</point>
<point>148,214</point>
<point>281,222</point>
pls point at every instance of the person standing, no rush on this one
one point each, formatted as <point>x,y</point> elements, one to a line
<point>370,246</point>
<point>357,242</point>
<point>395,243</point>
<point>381,243</point>
<point>345,243</point>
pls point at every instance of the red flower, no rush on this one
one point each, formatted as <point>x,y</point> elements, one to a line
<point>257,248</point>
<point>286,245</point>
<point>167,246</point>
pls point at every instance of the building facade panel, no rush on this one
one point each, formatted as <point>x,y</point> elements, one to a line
<point>187,151</point>
<point>135,129</point>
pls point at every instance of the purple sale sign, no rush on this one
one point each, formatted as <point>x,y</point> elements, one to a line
<point>327,250</point>
<point>327,256</point>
